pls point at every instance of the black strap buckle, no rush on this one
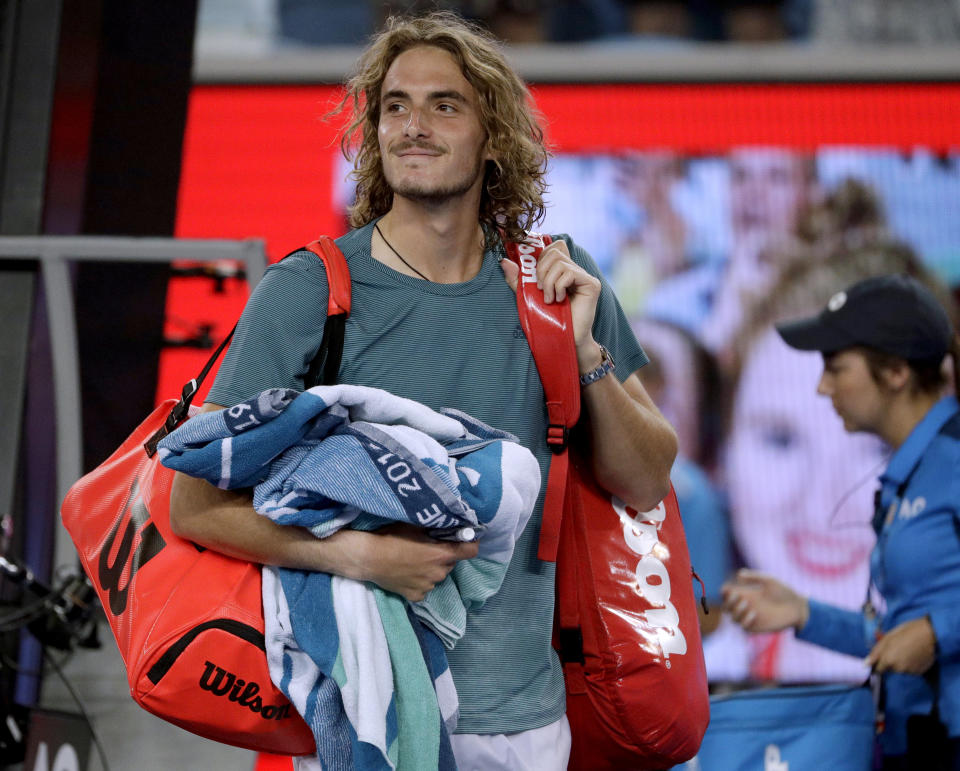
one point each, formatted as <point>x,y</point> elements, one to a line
<point>570,642</point>
<point>557,438</point>
<point>177,415</point>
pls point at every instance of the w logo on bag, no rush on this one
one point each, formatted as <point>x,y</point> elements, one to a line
<point>134,518</point>
<point>188,602</point>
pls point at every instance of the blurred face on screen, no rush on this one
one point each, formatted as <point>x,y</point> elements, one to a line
<point>801,488</point>
<point>768,188</point>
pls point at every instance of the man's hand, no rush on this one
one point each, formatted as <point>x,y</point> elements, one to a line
<point>910,648</point>
<point>631,445</point>
<point>559,276</point>
<point>400,558</point>
<point>761,603</point>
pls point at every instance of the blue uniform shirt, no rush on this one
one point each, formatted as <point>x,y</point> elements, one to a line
<point>915,566</point>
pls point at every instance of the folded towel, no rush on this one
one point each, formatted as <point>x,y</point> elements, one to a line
<point>348,655</point>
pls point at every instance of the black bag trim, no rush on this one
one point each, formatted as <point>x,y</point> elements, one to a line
<point>237,628</point>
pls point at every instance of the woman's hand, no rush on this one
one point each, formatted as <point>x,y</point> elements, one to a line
<point>910,648</point>
<point>761,603</point>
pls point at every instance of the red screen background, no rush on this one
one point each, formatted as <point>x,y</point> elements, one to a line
<point>259,160</point>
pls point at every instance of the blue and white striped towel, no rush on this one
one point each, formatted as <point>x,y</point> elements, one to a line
<point>338,456</point>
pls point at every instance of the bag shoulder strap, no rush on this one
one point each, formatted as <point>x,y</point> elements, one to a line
<point>325,363</point>
<point>325,367</point>
<point>338,274</point>
<point>549,331</point>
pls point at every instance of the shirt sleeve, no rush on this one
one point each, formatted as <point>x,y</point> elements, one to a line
<point>945,617</point>
<point>945,620</point>
<point>841,630</point>
<point>610,325</point>
<point>278,333</point>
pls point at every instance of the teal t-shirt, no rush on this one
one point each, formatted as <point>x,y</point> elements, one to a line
<point>445,345</point>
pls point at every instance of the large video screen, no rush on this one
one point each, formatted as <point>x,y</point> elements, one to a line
<point>704,206</point>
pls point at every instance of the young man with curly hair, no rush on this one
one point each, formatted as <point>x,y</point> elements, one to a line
<point>449,156</point>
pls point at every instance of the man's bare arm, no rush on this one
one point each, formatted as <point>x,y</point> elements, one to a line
<point>632,446</point>
<point>401,558</point>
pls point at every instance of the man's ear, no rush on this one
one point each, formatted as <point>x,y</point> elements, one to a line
<point>897,375</point>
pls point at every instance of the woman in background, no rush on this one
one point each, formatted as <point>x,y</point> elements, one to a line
<point>883,341</point>
<point>799,487</point>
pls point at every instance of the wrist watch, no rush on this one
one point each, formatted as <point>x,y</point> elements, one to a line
<point>606,365</point>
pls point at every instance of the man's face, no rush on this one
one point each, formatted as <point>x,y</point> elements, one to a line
<point>768,187</point>
<point>431,141</point>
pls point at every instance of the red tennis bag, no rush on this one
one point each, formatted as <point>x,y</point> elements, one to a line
<point>188,621</point>
<point>626,626</point>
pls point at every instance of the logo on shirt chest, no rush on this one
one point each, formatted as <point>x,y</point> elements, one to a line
<point>905,509</point>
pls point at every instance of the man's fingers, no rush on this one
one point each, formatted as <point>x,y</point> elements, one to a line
<point>554,265</point>
<point>412,563</point>
<point>557,250</point>
<point>466,551</point>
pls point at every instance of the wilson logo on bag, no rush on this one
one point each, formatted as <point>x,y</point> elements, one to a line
<point>220,682</point>
<point>188,621</point>
<point>641,534</point>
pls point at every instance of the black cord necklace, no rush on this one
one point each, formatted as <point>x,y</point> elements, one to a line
<point>390,246</point>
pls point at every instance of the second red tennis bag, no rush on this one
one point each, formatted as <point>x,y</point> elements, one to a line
<point>188,621</point>
<point>626,625</point>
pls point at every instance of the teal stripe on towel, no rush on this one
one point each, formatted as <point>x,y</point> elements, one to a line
<point>416,700</point>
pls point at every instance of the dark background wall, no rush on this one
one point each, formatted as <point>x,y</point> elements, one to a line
<point>93,96</point>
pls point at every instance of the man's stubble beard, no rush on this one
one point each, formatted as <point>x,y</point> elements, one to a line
<point>440,193</point>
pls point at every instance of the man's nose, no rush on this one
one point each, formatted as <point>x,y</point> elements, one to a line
<point>416,125</point>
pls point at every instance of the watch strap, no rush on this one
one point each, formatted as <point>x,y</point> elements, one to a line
<point>605,367</point>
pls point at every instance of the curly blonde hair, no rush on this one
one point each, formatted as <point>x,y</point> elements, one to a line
<point>514,181</point>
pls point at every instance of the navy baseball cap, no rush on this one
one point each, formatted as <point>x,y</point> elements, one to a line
<point>895,314</point>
